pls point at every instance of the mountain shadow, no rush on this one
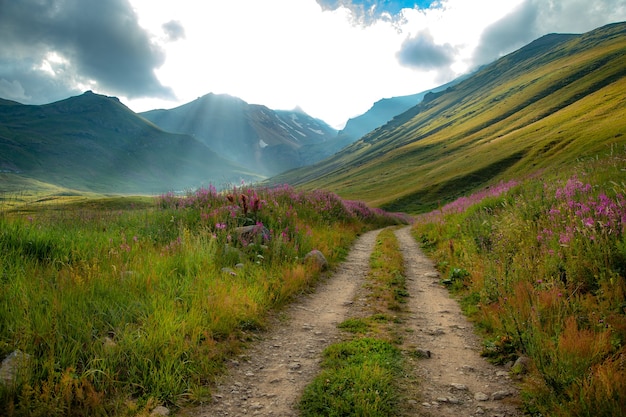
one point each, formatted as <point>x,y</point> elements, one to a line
<point>94,143</point>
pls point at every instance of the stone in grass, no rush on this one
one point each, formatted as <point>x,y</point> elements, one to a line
<point>160,411</point>
<point>229,271</point>
<point>11,365</point>
<point>521,365</point>
<point>318,258</point>
<point>251,233</point>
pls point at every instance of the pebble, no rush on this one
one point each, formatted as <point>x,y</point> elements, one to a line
<point>498,395</point>
<point>460,387</point>
<point>422,353</point>
<point>481,396</point>
<point>256,406</point>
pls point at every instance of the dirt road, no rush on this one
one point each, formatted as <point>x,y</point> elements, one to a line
<point>454,381</point>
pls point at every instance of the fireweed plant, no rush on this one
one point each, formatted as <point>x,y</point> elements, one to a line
<point>122,309</point>
<point>546,261</point>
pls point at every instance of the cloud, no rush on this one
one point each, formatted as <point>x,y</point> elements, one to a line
<point>58,46</point>
<point>368,12</point>
<point>420,52</point>
<point>174,30</point>
<point>13,89</point>
<point>507,34</point>
<point>535,18</point>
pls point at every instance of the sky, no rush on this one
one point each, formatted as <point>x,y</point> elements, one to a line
<point>331,58</point>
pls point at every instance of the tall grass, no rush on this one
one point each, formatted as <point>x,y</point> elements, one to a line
<point>546,263</point>
<point>123,307</point>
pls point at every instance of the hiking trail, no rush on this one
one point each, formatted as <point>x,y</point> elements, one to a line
<point>268,379</point>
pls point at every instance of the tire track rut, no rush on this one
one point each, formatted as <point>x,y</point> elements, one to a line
<point>455,381</point>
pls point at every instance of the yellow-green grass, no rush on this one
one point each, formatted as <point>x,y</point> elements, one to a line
<point>125,303</point>
<point>539,266</point>
<point>512,118</point>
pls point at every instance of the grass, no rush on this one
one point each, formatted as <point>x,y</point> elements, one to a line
<point>357,380</point>
<point>538,264</point>
<point>123,304</point>
<point>529,110</point>
<point>363,376</point>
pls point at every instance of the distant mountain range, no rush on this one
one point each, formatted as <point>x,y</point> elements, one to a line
<point>95,143</point>
<point>557,99</point>
<point>267,141</point>
<point>273,141</point>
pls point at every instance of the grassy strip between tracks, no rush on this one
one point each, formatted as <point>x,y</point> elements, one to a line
<point>363,375</point>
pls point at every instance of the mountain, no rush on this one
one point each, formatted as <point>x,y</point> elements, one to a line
<point>94,143</point>
<point>386,109</point>
<point>380,113</point>
<point>267,141</point>
<point>555,100</point>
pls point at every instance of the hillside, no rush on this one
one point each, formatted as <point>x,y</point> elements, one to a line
<point>386,109</point>
<point>267,141</point>
<point>379,114</point>
<point>95,143</point>
<point>558,98</point>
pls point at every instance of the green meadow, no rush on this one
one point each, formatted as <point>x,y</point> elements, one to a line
<point>539,264</point>
<point>123,303</point>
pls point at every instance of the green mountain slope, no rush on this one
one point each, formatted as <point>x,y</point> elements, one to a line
<point>380,113</point>
<point>95,143</point>
<point>386,109</point>
<point>558,98</point>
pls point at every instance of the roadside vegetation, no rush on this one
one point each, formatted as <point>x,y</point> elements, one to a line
<point>122,304</point>
<point>362,376</point>
<point>539,265</point>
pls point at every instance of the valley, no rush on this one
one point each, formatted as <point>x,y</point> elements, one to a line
<point>221,257</point>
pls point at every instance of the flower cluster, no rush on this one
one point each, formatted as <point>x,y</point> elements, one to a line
<point>578,212</point>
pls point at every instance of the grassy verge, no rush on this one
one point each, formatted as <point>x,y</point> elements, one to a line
<point>125,304</point>
<point>361,376</point>
<point>539,266</point>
